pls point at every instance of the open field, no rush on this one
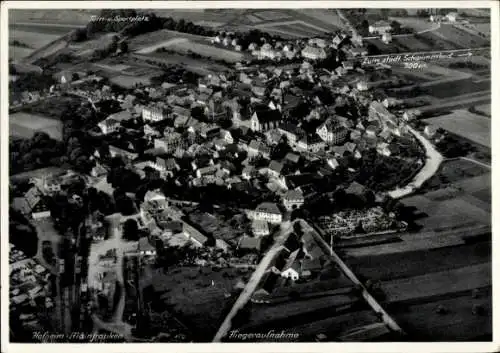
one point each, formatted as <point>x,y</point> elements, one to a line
<point>60,16</point>
<point>208,50</point>
<point>333,326</point>
<point>438,283</point>
<point>200,66</point>
<point>17,53</point>
<point>437,41</point>
<point>39,28</point>
<point>461,102</point>
<point>297,312</point>
<point>34,40</point>
<point>453,170</point>
<point>323,16</point>
<point>466,124</point>
<point>423,241</point>
<point>459,87</point>
<point>484,109</point>
<point>410,43</point>
<point>271,15</point>
<point>295,25</point>
<point>416,23</point>
<point>460,37</point>
<point>25,125</point>
<point>422,323</point>
<point>416,263</point>
<point>450,211</point>
<point>162,36</point>
<point>198,303</point>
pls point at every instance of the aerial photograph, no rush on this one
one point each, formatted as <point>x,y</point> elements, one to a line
<point>238,175</point>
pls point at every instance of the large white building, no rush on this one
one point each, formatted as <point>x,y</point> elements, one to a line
<point>332,131</point>
<point>380,27</point>
<point>154,113</point>
<point>269,212</point>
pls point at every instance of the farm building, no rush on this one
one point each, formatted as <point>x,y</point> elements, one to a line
<point>379,27</point>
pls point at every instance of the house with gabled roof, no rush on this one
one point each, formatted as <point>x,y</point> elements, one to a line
<point>293,199</point>
<point>332,131</point>
<point>269,212</point>
<point>263,120</point>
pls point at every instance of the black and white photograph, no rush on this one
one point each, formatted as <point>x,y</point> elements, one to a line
<point>280,174</point>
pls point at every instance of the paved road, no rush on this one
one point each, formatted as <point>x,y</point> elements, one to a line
<point>252,284</point>
<point>431,166</point>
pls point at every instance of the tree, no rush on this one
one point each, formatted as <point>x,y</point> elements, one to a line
<point>123,47</point>
<point>79,35</point>
<point>395,27</point>
<point>131,230</point>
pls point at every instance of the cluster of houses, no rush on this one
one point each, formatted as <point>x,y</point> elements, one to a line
<point>300,258</point>
<point>449,17</point>
<point>29,289</point>
<point>310,49</point>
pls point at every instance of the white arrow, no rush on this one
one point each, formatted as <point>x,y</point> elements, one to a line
<point>467,54</point>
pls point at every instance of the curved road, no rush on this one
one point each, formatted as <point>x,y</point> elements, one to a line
<point>431,166</point>
<point>252,284</point>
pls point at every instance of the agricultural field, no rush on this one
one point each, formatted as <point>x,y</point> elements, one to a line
<point>200,66</point>
<point>297,312</point>
<point>61,16</point>
<point>410,43</point>
<point>438,283</point>
<point>484,109</point>
<point>382,47</point>
<point>25,125</point>
<point>160,38</point>
<point>459,87</point>
<point>416,263</point>
<point>52,29</point>
<point>327,17</point>
<point>33,40</point>
<point>271,15</point>
<point>18,53</point>
<point>333,326</point>
<point>206,50</point>
<point>190,292</point>
<point>459,323</point>
<point>418,24</point>
<point>455,170</point>
<point>460,37</point>
<point>471,126</point>
<point>437,41</point>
